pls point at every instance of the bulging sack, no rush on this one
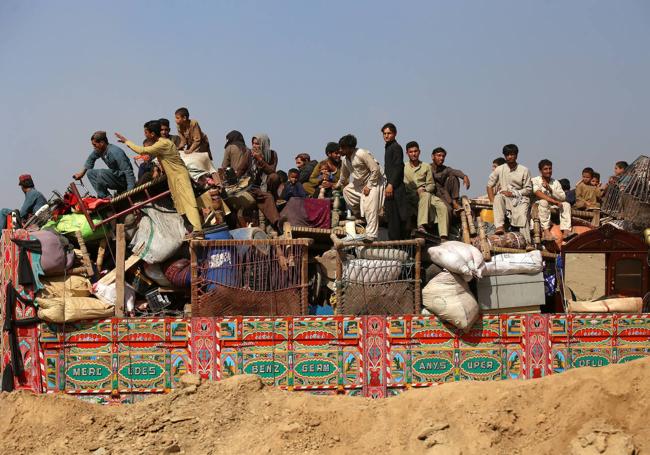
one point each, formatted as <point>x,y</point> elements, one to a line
<point>608,305</point>
<point>70,286</point>
<point>368,271</point>
<point>460,258</point>
<point>58,310</point>
<point>515,263</point>
<point>160,234</point>
<point>54,258</point>
<point>72,222</point>
<point>448,296</point>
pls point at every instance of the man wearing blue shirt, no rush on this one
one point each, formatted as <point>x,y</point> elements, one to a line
<point>34,200</point>
<point>119,175</point>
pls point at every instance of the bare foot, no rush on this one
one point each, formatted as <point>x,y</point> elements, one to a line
<point>566,235</point>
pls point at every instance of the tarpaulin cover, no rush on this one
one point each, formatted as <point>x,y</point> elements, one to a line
<point>74,222</point>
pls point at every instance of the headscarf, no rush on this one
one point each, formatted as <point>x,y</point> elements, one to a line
<point>265,146</point>
<point>236,138</point>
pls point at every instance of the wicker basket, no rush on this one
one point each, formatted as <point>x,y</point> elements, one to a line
<point>249,277</point>
<point>378,278</point>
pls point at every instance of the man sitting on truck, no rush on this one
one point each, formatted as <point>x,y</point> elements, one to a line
<point>119,175</point>
<point>34,200</point>
<point>548,192</point>
<point>513,198</point>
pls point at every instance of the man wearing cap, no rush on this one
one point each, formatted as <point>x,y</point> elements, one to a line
<point>34,200</point>
<point>119,175</point>
<point>332,163</point>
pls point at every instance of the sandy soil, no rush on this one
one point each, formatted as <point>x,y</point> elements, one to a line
<point>584,411</point>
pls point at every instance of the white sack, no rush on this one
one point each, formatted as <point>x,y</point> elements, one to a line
<point>448,296</point>
<point>459,257</point>
<point>198,164</point>
<point>370,252</point>
<point>610,305</point>
<point>108,294</point>
<point>515,263</point>
<point>160,234</point>
<point>371,271</point>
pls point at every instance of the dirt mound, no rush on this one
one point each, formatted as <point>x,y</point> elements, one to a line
<point>583,411</point>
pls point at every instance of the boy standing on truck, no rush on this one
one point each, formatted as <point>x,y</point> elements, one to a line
<point>191,138</point>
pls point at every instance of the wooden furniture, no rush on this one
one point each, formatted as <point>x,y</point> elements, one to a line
<point>609,261</point>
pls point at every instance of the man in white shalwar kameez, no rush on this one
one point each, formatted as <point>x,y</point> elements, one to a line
<point>364,192</point>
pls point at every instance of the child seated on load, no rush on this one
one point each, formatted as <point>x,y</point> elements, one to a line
<point>293,188</point>
<point>586,193</point>
<point>327,174</point>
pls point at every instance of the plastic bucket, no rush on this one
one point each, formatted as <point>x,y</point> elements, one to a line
<point>219,232</point>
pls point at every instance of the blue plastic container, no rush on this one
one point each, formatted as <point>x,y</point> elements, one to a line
<point>219,232</point>
<point>224,269</point>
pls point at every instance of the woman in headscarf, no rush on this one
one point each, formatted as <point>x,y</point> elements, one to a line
<point>264,179</point>
<point>236,154</point>
<point>263,165</point>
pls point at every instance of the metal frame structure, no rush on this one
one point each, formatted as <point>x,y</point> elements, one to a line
<point>126,196</point>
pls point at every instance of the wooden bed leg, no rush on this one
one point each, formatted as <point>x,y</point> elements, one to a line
<point>537,232</point>
<point>464,226</point>
<point>119,272</point>
<point>100,254</point>
<point>468,213</point>
<point>336,208</point>
<point>485,245</point>
<point>286,230</point>
<point>88,265</point>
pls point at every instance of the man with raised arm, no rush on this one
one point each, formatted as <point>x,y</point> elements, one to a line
<point>178,177</point>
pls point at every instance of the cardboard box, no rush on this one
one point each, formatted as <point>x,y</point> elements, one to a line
<point>511,291</point>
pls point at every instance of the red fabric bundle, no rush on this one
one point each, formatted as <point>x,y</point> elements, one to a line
<point>179,273</point>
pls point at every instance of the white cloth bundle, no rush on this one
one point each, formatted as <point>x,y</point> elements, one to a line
<point>515,263</point>
<point>459,257</point>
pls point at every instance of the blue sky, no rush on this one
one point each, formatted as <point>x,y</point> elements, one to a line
<point>566,81</point>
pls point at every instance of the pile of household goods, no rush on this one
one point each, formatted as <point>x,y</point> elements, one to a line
<point>460,284</point>
<point>52,266</point>
<point>73,267</point>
